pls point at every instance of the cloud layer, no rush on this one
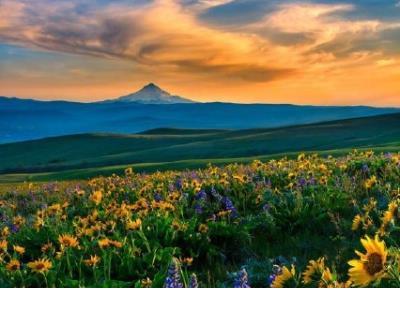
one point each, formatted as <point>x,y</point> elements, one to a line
<point>251,50</point>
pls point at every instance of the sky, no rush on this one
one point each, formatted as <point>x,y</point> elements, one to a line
<point>306,52</point>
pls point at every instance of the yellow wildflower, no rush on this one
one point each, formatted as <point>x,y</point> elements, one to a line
<point>19,249</point>
<point>68,241</point>
<point>285,276</point>
<point>97,197</point>
<point>134,225</point>
<point>92,261</point>
<point>13,265</point>
<point>371,265</point>
<point>40,265</point>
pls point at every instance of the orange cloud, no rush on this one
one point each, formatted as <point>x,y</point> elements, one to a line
<point>302,53</point>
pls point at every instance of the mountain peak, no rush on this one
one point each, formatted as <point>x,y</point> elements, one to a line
<point>151,86</point>
<point>151,93</point>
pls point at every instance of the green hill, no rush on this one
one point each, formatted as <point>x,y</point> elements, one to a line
<point>188,148</point>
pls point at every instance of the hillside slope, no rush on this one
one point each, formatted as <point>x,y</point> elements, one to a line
<point>23,120</point>
<point>167,145</point>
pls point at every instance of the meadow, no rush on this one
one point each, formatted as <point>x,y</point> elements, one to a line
<point>90,155</point>
<point>308,221</point>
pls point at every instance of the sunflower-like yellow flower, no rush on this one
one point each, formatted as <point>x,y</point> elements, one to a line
<point>286,275</point>
<point>187,261</point>
<point>134,225</point>
<point>97,197</point>
<point>356,222</point>
<point>46,247</point>
<point>301,157</point>
<point>3,246</point>
<point>389,215</point>
<point>393,206</point>
<point>39,223</point>
<point>203,228</point>
<point>92,261</point>
<point>68,241</point>
<point>327,276</point>
<point>104,243</point>
<point>128,171</point>
<point>19,249</point>
<point>314,271</point>
<point>371,265</point>
<point>387,218</point>
<point>241,178</point>
<point>116,244</point>
<point>369,183</point>
<point>13,265</point>
<point>336,284</point>
<point>146,283</point>
<point>40,266</point>
<point>323,180</point>
<point>80,192</point>
<point>5,232</point>
<point>54,209</point>
<point>163,205</point>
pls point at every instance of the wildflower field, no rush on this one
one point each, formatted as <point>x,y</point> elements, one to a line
<point>309,222</point>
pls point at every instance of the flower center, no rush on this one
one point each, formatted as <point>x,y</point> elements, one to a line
<point>40,266</point>
<point>14,267</point>
<point>374,264</point>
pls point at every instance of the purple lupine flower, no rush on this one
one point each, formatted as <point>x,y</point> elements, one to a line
<point>276,270</point>
<point>388,155</point>
<point>14,228</point>
<point>229,206</point>
<point>241,280</point>
<point>302,182</point>
<point>312,181</point>
<point>365,168</point>
<point>178,184</point>
<point>198,209</point>
<point>193,281</point>
<point>157,197</point>
<point>173,279</point>
<point>202,195</point>
<point>215,194</point>
<point>271,279</point>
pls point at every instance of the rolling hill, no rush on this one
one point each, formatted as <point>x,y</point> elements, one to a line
<point>151,107</point>
<point>172,148</point>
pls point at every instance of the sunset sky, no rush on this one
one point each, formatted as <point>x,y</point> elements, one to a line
<point>316,51</point>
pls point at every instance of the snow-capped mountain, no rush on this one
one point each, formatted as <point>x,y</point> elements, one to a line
<point>151,93</point>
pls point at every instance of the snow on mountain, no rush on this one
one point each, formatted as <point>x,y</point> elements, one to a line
<point>151,93</point>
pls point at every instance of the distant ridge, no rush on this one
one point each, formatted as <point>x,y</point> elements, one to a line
<point>151,93</point>
<point>151,108</point>
<point>180,131</point>
<point>198,146</point>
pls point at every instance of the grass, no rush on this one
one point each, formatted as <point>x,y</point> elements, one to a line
<point>86,173</point>
<point>89,155</point>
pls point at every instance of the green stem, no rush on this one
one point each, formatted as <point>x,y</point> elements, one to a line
<point>45,279</point>
<point>69,265</point>
<point>109,267</point>
<point>94,275</point>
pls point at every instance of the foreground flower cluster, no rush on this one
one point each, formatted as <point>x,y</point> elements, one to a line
<point>306,222</point>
